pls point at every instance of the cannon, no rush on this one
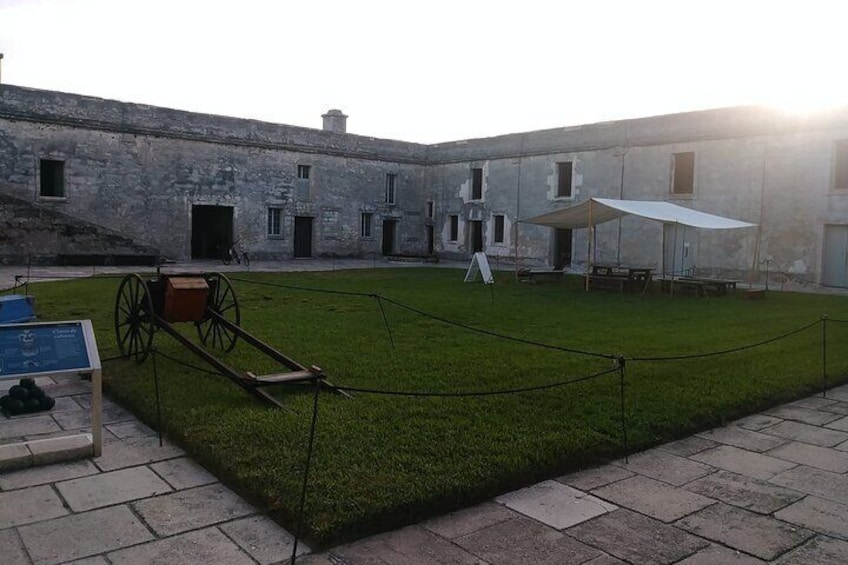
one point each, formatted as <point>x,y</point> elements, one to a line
<point>208,300</point>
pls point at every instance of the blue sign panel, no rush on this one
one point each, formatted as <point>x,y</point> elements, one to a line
<point>37,349</point>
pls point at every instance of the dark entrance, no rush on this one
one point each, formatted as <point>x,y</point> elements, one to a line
<point>562,248</point>
<point>475,235</point>
<point>211,231</point>
<point>429,240</point>
<point>389,232</point>
<point>303,236</point>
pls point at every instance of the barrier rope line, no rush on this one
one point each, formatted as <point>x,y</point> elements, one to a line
<point>837,320</point>
<point>727,351</point>
<point>186,364</point>
<point>382,298</point>
<point>498,335</point>
<point>11,288</point>
<point>309,451</point>
<point>434,394</point>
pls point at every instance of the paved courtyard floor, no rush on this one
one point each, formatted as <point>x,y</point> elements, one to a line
<point>769,488</point>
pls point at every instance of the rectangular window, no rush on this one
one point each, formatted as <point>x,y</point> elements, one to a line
<point>275,216</point>
<point>476,184</point>
<point>683,175</point>
<point>840,167</point>
<point>454,227</point>
<point>52,178</point>
<point>303,172</point>
<point>564,173</point>
<point>390,188</point>
<point>499,228</point>
<point>431,208</point>
<point>365,224</point>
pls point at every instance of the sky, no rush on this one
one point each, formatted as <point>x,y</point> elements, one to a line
<point>437,70</point>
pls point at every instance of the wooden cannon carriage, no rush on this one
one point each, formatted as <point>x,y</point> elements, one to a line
<point>209,301</point>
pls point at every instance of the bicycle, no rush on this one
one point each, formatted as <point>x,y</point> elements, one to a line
<point>232,253</point>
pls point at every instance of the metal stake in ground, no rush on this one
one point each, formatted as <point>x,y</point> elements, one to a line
<point>620,361</point>
<point>158,396</point>
<point>299,529</point>
<point>824,354</point>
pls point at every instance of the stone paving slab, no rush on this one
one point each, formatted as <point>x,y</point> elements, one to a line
<point>824,458</point>
<point>743,438</point>
<point>469,520</point>
<point>522,541</point>
<point>555,504</point>
<point>14,456</point>
<point>653,498</point>
<point>115,487</point>
<point>819,551</point>
<point>637,539</point>
<point>837,408</point>
<point>818,514</point>
<point>82,535</point>
<point>57,449</point>
<point>719,555</point>
<point>807,434</point>
<point>756,422</point>
<point>208,546</point>
<point>804,415</point>
<point>96,560</point>
<point>665,467</point>
<point>131,430</point>
<point>408,546</point>
<point>12,548</point>
<point>47,474</point>
<point>29,505</point>
<point>840,424</point>
<point>814,403</point>
<point>141,451</point>
<point>192,509</point>
<point>13,428</point>
<point>746,531</point>
<point>183,473</point>
<point>263,539</point>
<point>594,478</point>
<point>689,446</point>
<point>809,480</point>
<point>744,492</point>
<point>605,560</point>
<point>755,465</point>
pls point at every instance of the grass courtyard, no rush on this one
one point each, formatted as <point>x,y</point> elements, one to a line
<point>381,461</point>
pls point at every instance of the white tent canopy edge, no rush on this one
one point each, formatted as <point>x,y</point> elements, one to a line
<point>599,210</point>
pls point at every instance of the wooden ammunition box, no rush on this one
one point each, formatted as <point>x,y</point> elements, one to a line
<point>185,299</point>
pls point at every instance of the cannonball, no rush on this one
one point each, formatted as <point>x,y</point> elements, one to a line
<point>4,400</point>
<point>36,392</point>
<point>19,392</point>
<point>47,403</point>
<point>27,382</point>
<point>15,406</point>
<point>32,404</point>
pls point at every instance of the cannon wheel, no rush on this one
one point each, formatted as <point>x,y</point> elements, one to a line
<point>134,321</point>
<point>221,300</point>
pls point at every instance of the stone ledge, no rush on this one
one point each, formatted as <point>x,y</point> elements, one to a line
<point>45,451</point>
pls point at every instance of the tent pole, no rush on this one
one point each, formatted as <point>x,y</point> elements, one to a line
<point>589,245</point>
<point>673,258</point>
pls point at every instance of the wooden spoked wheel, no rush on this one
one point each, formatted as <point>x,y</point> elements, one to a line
<point>134,321</point>
<point>222,301</point>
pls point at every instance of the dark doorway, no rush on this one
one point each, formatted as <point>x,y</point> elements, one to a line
<point>562,248</point>
<point>429,239</point>
<point>303,236</point>
<point>389,233</point>
<point>475,235</point>
<point>211,231</point>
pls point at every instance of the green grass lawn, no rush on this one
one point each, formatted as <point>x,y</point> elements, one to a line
<point>382,461</point>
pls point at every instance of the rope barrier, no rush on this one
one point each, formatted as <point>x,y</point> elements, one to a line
<point>726,351</point>
<point>305,288</point>
<point>11,288</point>
<point>186,364</point>
<point>837,320</point>
<point>432,394</point>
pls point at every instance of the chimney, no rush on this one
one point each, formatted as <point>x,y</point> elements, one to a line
<point>1,64</point>
<point>335,121</point>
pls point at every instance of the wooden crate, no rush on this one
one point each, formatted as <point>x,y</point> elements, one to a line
<point>185,299</point>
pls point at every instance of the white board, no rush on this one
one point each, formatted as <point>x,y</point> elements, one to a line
<point>479,264</point>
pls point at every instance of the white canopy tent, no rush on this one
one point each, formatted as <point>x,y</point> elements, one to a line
<point>599,210</point>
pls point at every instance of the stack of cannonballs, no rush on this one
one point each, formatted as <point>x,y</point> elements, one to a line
<point>24,398</point>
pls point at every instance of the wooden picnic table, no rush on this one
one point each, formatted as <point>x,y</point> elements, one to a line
<point>699,286</point>
<point>620,277</point>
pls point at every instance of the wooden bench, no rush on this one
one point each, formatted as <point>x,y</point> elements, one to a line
<point>527,275</point>
<point>684,286</point>
<point>609,282</point>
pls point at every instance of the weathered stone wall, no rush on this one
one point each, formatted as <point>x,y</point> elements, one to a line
<point>140,169</point>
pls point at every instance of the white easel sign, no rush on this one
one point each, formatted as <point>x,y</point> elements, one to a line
<point>479,265</point>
